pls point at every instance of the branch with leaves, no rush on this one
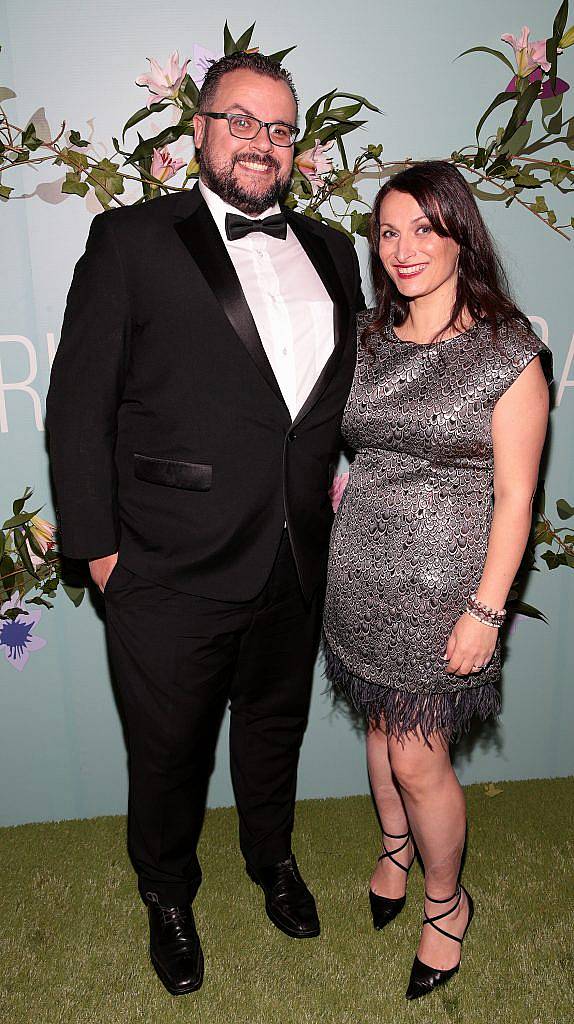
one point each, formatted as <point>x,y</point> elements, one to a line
<point>558,542</point>
<point>30,564</point>
<point>506,165</point>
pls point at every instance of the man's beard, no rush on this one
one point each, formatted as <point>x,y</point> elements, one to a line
<point>220,179</point>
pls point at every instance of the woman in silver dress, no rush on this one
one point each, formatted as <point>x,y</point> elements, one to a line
<point>447,417</point>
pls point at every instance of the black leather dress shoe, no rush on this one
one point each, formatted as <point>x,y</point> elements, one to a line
<point>288,902</point>
<point>174,948</point>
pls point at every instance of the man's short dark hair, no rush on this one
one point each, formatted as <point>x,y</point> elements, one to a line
<point>242,61</point>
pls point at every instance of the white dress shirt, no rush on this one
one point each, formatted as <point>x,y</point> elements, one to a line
<point>290,305</point>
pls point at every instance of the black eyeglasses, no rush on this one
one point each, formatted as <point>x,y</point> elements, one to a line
<point>244,126</point>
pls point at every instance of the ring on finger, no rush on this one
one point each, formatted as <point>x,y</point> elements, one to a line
<point>477,668</point>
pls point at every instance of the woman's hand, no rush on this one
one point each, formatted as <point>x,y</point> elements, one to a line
<point>470,646</point>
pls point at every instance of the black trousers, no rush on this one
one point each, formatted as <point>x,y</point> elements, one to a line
<point>178,659</point>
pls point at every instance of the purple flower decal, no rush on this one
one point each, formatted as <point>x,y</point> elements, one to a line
<point>17,636</point>
<point>546,92</point>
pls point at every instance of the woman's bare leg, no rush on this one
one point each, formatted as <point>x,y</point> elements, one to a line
<point>436,811</point>
<point>387,880</point>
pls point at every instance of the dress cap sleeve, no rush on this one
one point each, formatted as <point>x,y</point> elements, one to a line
<point>516,346</point>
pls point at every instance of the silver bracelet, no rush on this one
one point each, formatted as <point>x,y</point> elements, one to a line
<point>483,613</point>
<point>481,618</point>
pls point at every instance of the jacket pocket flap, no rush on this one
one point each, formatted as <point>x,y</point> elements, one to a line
<point>192,476</point>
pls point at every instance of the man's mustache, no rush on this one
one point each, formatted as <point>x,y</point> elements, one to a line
<point>268,161</point>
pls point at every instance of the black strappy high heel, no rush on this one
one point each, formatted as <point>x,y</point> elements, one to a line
<point>383,909</point>
<point>424,978</point>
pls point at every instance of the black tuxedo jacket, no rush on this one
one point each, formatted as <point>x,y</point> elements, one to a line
<point>170,440</point>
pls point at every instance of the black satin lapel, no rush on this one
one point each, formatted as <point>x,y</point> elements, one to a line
<point>206,247</point>
<point>318,252</point>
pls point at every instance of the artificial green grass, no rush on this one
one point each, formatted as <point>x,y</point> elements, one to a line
<point>74,934</point>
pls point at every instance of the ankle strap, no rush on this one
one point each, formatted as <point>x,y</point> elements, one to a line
<point>439,917</point>
<point>405,836</point>
<point>456,893</point>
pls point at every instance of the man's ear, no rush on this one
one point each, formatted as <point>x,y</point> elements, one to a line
<point>198,129</point>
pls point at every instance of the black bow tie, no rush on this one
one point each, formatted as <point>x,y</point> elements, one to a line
<point>238,227</point>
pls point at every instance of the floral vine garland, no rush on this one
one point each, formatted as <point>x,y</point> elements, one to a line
<point>504,165</point>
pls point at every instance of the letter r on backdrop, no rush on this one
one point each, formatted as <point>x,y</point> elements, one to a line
<point>20,385</point>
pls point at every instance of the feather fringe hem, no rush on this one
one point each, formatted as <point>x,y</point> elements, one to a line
<point>448,714</point>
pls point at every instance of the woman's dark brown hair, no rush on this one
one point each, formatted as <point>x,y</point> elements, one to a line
<point>482,286</point>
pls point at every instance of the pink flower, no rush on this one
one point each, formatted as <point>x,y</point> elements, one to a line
<point>44,534</point>
<point>164,83</point>
<point>314,164</point>
<point>336,489</point>
<point>546,91</point>
<point>528,55</point>
<point>163,165</point>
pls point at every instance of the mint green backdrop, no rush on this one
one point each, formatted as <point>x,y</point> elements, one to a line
<point>61,747</point>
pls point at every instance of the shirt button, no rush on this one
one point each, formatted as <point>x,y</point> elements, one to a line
<point>284,351</point>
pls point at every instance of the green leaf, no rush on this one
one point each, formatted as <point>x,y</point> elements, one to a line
<point>551,105</point>
<point>521,608</point>
<point>77,140</point>
<point>13,613</point>
<point>553,560</point>
<point>336,130</point>
<point>19,520</point>
<point>19,503</point>
<point>280,55</point>
<point>171,134</point>
<point>142,113</point>
<point>552,43</point>
<point>487,197</point>
<point>360,223</point>
<point>7,574</point>
<point>5,191</point>
<point>190,90</point>
<point>561,169</point>
<point>229,44</point>
<point>503,97</point>
<point>518,141</point>
<point>567,39</point>
<point>519,114</point>
<point>76,594</point>
<point>33,543</point>
<point>74,186</point>
<point>487,49</point>
<point>314,110</point>
<point>560,21</point>
<point>73,159</point>
<point>108,181</point>
<point>555,124</point>
<point>564,509</point>
<point>40,600</point>
<point>527,180</point>
<point>29,138</point>
<point>24,554</point>
<point>2,543</point>
<point>244,40</point>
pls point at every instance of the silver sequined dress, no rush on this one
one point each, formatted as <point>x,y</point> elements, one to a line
<point>410,536</point>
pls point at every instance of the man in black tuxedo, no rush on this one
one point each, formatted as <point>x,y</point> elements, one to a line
<point>207,351</point>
